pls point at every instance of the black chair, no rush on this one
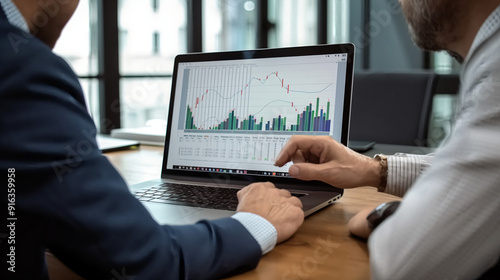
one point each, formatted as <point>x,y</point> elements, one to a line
<point>392,108</point>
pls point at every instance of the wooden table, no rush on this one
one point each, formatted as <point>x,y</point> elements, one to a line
<point>321,249</point>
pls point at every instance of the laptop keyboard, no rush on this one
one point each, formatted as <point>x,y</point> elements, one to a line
<point>192,195</point>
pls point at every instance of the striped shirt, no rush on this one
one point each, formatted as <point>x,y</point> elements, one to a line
<point>448,225</point>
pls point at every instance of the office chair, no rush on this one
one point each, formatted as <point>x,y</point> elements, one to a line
<point>392,108</point>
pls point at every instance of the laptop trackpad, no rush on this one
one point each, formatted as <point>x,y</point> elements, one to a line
<point>204,214</point>
<point>167,213</point>
<point>182,215</point>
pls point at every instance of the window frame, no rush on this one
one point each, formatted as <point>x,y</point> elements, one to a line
<point>109,75</point>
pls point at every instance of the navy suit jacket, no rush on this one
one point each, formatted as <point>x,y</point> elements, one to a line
<point>68,198</point>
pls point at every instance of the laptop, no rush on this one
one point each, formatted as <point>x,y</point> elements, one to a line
<point>230,115</point>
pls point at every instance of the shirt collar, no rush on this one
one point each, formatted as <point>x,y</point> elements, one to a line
<point>14,15</point>
<point>490,26</point>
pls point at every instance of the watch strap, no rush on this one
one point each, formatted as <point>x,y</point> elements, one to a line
<point>382,159</point>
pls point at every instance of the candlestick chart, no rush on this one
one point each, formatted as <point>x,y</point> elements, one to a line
<point>271,98</point>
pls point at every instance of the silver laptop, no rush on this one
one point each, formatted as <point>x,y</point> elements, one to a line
<point>230,115</point>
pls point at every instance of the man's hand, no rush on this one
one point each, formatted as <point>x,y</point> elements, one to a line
<point>324,159</point>
<point>358,225</point>
<point>277,206</point>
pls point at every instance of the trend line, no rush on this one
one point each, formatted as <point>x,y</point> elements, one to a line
<point>311,92</point>
<point>231,121</point>
<point>307,120</point>
<point>263,82</point>
<point>262,109</point>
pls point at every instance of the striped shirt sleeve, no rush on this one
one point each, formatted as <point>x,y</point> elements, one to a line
<point>403,170</point>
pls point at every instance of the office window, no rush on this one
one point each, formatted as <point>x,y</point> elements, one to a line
<point>151,34</point>
<point>146,101</point>
<point>77,41</point>
<point>229,24</point>
<point>295,22</point>
<point>77,45</point>
<point>338,21</point>
<point>444,104</point>
<point>233,24</point>
<point>90,88</point>
<point>444,63</point>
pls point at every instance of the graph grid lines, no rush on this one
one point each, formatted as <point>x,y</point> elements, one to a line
<point>233,97</point>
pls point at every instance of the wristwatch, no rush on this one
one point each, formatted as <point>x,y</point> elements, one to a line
<point>382,159</point>
<point>379,214</point>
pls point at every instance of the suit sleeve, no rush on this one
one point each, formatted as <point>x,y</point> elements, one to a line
<point>70,199</point>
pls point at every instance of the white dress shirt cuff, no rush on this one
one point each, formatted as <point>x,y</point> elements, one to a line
<point>261,229</point>
<point>403,170</point>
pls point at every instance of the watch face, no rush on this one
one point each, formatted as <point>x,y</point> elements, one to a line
<point>379,214</point>
<point>382,207</point>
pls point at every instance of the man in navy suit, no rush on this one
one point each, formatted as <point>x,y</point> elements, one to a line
<point>60,193</point>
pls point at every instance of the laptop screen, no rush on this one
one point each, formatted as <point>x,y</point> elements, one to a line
<point>233,112</point>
